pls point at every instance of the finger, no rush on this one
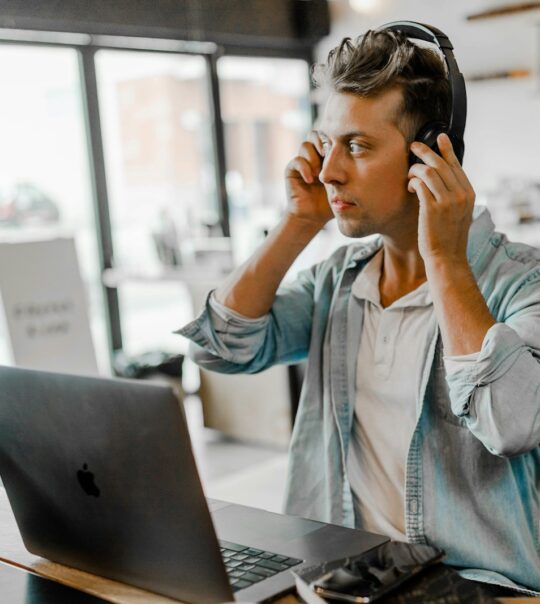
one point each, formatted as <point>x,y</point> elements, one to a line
<point>315,140</point>
<point>416,185</point>
<point>432,159</point>
<point>448,153</point>
<point>309,152</point>
<point>299,165</point>
<point>432,179</point>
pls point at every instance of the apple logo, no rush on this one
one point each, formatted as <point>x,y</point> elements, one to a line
<point>86,480</point>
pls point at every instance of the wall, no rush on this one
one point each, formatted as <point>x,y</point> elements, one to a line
<point>502,157</point>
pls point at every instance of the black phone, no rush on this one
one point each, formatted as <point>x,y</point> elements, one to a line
<point>370,576</point>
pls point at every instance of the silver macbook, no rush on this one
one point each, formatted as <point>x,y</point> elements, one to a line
<point>101,477</point>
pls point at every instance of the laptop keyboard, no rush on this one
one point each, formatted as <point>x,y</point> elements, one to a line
<point>248,565</point>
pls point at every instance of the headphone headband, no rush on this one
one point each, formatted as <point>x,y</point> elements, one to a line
<point>428,33</point>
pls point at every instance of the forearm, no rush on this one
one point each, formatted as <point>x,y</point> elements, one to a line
<point>250,290</point>
<point>460,308</point>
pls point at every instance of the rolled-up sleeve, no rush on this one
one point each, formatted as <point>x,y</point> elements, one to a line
<point>225,334</point>
<point>498,395</point>
<point>223,340</point>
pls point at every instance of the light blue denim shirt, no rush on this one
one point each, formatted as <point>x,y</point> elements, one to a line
<point>473,465</point>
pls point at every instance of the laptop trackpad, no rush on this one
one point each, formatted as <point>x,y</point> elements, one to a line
<point>259,528</point>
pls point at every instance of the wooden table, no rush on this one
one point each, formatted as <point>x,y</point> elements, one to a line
<point>12,551</point>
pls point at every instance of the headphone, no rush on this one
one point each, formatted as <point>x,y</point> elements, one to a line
<point>458,113</point>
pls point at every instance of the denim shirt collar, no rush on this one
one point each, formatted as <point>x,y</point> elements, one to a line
<point>480,232</point>
<point>364,252</point>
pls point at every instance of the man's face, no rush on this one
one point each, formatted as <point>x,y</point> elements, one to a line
<point>365,164</point>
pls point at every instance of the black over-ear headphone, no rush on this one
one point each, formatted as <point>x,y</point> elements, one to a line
<point>458,113</point>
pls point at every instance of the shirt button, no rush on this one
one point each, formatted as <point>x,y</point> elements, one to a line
<point>385,339</point>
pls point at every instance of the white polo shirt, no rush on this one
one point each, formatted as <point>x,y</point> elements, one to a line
<point>387,390</point>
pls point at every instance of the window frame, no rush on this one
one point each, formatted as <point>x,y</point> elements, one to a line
<point>87,47</point>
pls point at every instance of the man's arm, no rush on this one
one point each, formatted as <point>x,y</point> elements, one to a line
<point>267,325</point>
<point>250,290</point>
<point>446,204</point>
<point>498,395</point>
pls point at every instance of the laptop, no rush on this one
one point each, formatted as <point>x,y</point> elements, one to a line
<point>101,476</point>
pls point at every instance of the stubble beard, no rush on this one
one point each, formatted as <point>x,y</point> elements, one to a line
<point>356,228</point>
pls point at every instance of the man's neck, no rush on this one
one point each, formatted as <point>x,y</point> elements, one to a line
<point>402,270</point>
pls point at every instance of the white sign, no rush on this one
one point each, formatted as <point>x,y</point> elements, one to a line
<point>45,309</point>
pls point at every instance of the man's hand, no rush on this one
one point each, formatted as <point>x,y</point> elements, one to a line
<point>446,202</point>
<point>306,194</point>
<point>251,289</point>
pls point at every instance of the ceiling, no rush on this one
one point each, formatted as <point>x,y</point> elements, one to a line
<point>481,47</point>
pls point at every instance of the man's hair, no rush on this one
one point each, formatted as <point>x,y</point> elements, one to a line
<point>381,60</point>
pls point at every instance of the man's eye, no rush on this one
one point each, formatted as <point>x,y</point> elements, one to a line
<point>356,147</point>
<point>325,146</point>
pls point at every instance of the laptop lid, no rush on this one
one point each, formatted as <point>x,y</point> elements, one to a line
<point>101,476</point>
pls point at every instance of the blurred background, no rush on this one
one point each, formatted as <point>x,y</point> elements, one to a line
<point>155,135</point>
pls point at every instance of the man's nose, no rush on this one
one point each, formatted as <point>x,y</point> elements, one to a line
<point>332,170</point>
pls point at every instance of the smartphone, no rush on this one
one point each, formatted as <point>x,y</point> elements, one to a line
<point>374,574</point>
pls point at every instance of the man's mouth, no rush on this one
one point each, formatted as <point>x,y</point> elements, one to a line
<point>340,205</point>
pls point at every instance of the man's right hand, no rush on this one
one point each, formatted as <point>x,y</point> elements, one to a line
<point>250,290</point>
<point>306,194</point>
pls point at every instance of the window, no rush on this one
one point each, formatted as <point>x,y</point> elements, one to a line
<point>157,132</point>
<point>266,114</point>
<point>44,182</point>
<point>161,184</point>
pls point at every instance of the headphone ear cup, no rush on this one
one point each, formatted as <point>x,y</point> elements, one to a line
<point>428,134</point>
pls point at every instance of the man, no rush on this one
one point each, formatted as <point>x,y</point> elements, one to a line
<point>420,412</point>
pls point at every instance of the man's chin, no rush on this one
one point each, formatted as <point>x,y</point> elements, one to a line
<point>354,229</point>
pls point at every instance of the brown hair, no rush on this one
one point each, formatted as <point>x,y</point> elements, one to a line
<point>380,60</point>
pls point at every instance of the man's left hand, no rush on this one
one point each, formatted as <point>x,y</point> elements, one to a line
<point>446,202</point>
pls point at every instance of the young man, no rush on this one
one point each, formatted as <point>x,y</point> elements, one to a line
<point>420,412</point>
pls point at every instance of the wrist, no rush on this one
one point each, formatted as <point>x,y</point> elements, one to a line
<point>444,274</point>
<point>447,265</point>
